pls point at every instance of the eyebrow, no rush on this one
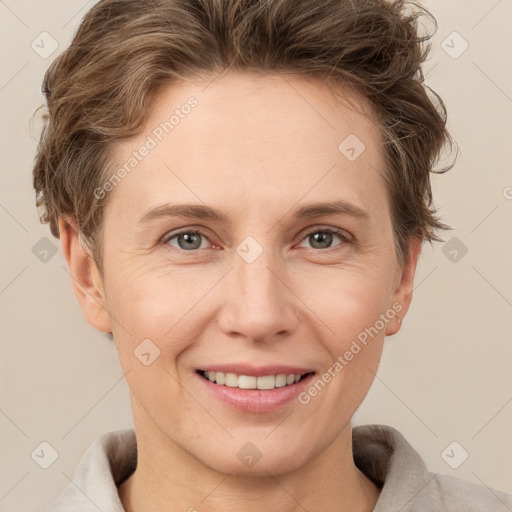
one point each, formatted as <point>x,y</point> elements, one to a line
<point>198,211</point>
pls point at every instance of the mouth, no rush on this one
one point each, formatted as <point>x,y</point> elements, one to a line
<point>254,389</point>
<point>248,382</point>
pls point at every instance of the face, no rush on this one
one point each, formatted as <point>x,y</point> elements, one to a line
<point>285,266</point>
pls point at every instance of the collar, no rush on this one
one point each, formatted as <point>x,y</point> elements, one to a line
<point>380,452</point>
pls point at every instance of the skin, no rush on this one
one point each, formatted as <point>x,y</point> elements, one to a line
<point>255,148</point>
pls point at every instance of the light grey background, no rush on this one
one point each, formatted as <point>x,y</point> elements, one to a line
<point>445,377</point>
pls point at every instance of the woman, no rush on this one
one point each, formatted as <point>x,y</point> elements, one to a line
<point>241,190</point>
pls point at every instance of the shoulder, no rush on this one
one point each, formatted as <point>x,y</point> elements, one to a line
<point>384,455</point>
<point>107,462</point>
<point>454,494</point>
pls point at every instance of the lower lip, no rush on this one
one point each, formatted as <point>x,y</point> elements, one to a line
<point>256,400</point>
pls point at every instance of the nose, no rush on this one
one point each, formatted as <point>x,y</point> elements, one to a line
<point>258,301</point>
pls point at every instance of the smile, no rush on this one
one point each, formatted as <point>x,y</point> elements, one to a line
<point>263,382</point>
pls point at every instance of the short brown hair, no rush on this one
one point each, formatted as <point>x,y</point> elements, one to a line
<point>99,90</point>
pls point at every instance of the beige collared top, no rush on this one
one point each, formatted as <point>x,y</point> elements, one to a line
<point>380,452</point>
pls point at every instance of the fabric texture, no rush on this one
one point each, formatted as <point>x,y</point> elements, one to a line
<point>380,452</point>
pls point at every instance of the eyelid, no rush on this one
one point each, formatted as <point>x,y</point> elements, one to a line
<point>189,229</point>
<point>345,236</point>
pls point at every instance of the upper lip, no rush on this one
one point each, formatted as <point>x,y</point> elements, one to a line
<point>256,371</point>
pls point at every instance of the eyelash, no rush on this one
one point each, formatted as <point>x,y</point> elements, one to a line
<point>346,239</point>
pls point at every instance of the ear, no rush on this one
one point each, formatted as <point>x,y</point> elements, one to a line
<point>85,276</point>
<point>404,284</point>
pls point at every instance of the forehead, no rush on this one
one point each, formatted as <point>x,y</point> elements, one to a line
<point>242,139</point>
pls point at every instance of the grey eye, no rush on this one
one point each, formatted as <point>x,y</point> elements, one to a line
<point>187,240</point>
<point>323,238</point>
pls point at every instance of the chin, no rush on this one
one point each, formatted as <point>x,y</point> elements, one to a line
<point>258,458</point>
<point>274,465</point>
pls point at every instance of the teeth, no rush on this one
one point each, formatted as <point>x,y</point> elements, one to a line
<point>247,382</point>
<point>265,382</point>
<point>280,380</point>
<point>251,382</point>
<point>231,380</point>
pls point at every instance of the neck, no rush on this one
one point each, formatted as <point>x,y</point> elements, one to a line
<point>330,482</point>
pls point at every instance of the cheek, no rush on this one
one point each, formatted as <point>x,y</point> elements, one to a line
<point>154,314</point>
<point>161,306</point>
<point>352,353</point>
<point>350,304</point>
<point>345,301</point>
